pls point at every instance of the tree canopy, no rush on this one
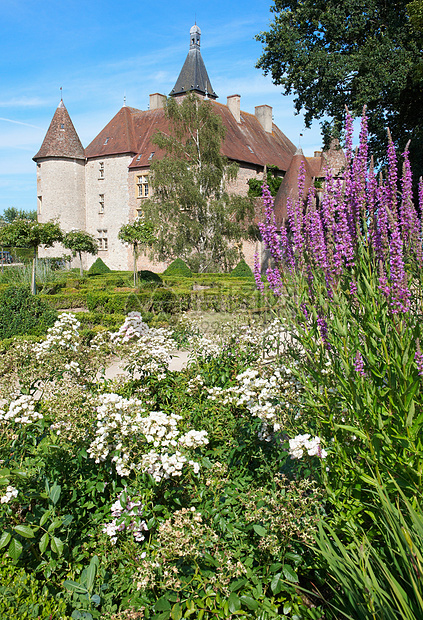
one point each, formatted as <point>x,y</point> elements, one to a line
<point>194,216</point>
<point>139,234</point>
<point>11,214</point>
<point>80,241</point>
<point>332,53</point>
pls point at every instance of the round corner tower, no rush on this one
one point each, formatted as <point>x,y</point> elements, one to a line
<point>61,176</point>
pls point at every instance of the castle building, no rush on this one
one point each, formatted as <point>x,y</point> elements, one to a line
<point>103,186</point>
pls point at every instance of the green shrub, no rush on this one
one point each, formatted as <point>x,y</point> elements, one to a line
<point>178,268</point>
<point>149,276</point>
<point>98,268</point>
<point>242,270</point>
<point>23,597</point>
<point>23,313</point>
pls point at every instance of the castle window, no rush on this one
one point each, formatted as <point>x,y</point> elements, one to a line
<point>102,240</point>
<point>142,184</point>
<point>40,203</point>
<point>101,203</point>
<point>101,170</point>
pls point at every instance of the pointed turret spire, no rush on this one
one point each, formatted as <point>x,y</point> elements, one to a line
<point>61,139</point>
<point>193,76</point>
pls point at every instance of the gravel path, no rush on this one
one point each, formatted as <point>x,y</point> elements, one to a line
<point>179,362</point>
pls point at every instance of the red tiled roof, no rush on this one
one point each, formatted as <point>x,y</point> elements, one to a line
<point>117,137</point>
<point>131,131</point>
<point>61,139</point>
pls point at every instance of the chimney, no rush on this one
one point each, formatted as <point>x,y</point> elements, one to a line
<point>234,104</point>
<point>157,101</point>
<point>264,116</point>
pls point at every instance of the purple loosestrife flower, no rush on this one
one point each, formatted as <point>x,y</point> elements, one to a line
<point>392,180</point>
<point>257,273</point>
<point>360,173</point>
<point>359,364</point>
<point>353,288</point>
<point>268,230</point>
<point>418,358</point>
<point>275,282</point>
<point>316,240</point>
<point>304,310</point>
<point>399,293</point>
<point>410,223</point>
<point>323,329</point>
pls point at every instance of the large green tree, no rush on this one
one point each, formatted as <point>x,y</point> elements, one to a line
<point>332,53</point>
<point>194,216</point>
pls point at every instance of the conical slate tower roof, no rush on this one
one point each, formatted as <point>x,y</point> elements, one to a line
<point>193,76</point>
<point>61,139</point>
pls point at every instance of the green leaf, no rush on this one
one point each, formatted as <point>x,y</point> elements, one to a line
<point>290,574</point>
<point>54,493</point>
<point>24,530</point>
<point>56,545</point>
<point>249,602</point>
<point>234,603</point>
<point>236,585</point>
<point>162,604</point>
<point>45,517</point>
<point>276,583</point>
<point>44,542</point>
<point>56,523</point>
<point>176,613</point>
<point>261,531</point>
<point>74,586</point>
<point>4,539</point>
<point>15,549</point>
<point>91,573</point>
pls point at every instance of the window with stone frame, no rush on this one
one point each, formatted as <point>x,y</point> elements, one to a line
<point>101,203</point>
<point>142,185</point>
<point>102,240</point>
<point>101,170</point>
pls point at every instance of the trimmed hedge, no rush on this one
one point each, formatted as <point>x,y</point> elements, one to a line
<point>98,268</point>
<point>149,276</point>
<point>242,270</point>
<point>178,268</point>
<point>23,313</point>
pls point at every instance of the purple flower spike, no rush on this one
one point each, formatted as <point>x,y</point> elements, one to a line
<point>418,358</point>
<point>323,329</point>
<point>359,364</point>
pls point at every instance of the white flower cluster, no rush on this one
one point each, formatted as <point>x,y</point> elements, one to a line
<point>304,442</point>
<point>205,346</point>
<point>64,335</point>
<point>151,353</point>
<point>133,328</point>
<point>73,368</point>
<point>161,465</point>
<point>127,514</point>
<point>118,419</point>
<point>257,393</point>
<point>11,493</point>
<point>195,384</point>
<point>123,427</point>
<point>22,410</point>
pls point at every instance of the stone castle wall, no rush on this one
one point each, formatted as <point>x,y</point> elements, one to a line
<point>107,208</point>
<point>61,197</point>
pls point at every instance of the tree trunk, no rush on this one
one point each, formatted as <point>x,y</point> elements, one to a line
<point>33,278</point>
<point>81,269</point>
<point>135,266</point>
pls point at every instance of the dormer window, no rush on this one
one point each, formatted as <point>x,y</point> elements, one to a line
<point>62,126</point>
<point>151,155</point>
<point>139,156</point>
<point>107,139</point>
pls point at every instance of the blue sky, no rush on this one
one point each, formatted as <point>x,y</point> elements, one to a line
<point>101,51</point>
